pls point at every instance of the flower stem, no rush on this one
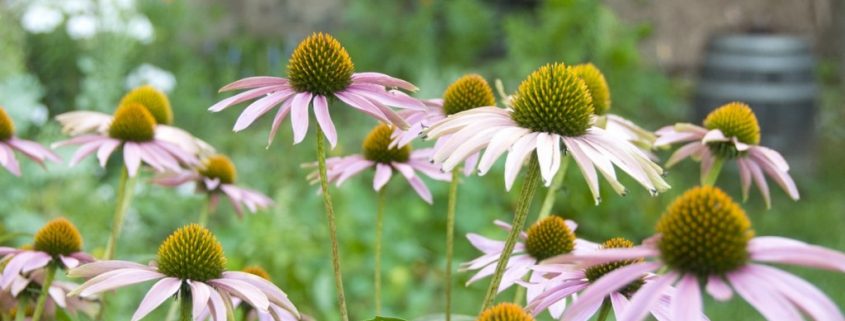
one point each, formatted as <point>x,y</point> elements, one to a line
<point>523,205</point>
<point>124,197</point>
<point>327,203</point>
<point>185,306</point>
<point>20,312</point>
<point>379,230</point>
<point>551,193</point>
<point>205,212</point>
<point>605,310</point>
<point>49,275</point>
<point>450,239</point>
<point>709,178</point>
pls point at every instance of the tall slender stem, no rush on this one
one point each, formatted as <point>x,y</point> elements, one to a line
<point>205,212</point>
<point>20,312</point>
<point>450,239</point>
<point>379,231</point>
<point>709,178</point>
<point>327,203</point>
<point>49,275</point>
<point>605,310</point>
<point>551,193</point>
<point>124,197</point>
<point>523,205</point>
<point>185,305</point>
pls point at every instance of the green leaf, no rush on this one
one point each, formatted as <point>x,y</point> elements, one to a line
<point>61,315</point>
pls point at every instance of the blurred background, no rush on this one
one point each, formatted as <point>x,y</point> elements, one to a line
<point>666,61</point>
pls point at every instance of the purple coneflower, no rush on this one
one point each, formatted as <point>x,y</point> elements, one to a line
<point>25,289</point>
<point>559,282</point>
<point>730,132</point>
<point>377,154</point>
<point>548,237</point>
<point>319,69</point>
<point>216,176</point>
<point>704,236</point>
<point>190,266</point>
<point>9,143</point>
<point>251,313</point>
<point>57,245</point>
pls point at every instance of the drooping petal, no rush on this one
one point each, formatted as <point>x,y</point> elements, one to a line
<point>383,173</point>
<point>96,268</point>
<point>259,108</point>
<point>609,283</point>
<point>647,296</point>
<point>718,289</point>
<point>516,158</point>
<point>299,116</point>
<point>787,251</point>
<point>132,157</point>
<point>242,97</point>
<point>803,294</point>
<point>253,82</point>
<point>687,302</point>
<point>604,256</point>
<point>772,305</point>
<point>324,119</point>
<point>200,294</point>
<point>161,291</point>
<point>277,120</point>
<point>114,280</point>
<point>243,290</point>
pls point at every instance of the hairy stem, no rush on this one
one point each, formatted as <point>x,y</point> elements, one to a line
<point>450,239</point>
<point>709,178</point>
<point>523,205</point>
<point>124,197</point>
<point>327,203</point>
<point>49,275</point>
<point>379,231</point>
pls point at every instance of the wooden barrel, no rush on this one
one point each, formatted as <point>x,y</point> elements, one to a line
<point>775,75</point>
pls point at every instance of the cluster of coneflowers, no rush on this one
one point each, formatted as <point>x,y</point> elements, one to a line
<point>558,114</point>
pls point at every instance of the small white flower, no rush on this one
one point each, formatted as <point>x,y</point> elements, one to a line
<point>147,74</point>
<point>141,29</point>
<point>82,27</point>
<point>41,19</point>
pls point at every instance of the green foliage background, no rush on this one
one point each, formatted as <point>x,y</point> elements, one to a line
<point>428,42</point>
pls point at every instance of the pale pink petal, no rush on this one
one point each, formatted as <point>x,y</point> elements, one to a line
<point>516,158</point>
<point>216,305</point>
<point>718,289</point>
<point>299,116</point>
<point>33,150</point>
<point>382,79</point>
<point>69,262</point>
<point>14,266</point>
<point>259,108</point>
<point>243,290</point>
<point>383,173</point>
<point>771,155</point>
<point>714,135</point>
<point>545,152</point>
<point>772,305</point>
<point>415,182</point>
<point>242,97</point>
<point>96,268</point>
<point>744,177</point>
<point>484,244</point>
<point>58,296</point>
<point>647,296</point>
<point>687,303</point>
<point>84,151</point>
<point>363,105</point>
<point>392,98</point>
<point>200,294</point>
<point>105,151</point>
<point>274,294</point>
<point>588,170</point>
<point>161,291</point>
<point>684,152</point>
<point>619,302</point>
<point>806,296</point>
<point>605,256</point>
<point>253,82</point>
<point>788,251</point>
<point>760,180</point>
<point>675,137</point>
<point>465,147</point>
<point>118,279</point>
<point>37,261</point>
<point>470,163</point>
<point>782,178</point>
<point>132,157</point>
<point>321,112</point>
<point>586,313</point>
<point>277,120</point>
<point>607,284</point>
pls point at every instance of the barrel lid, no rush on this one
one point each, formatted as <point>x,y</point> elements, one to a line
<point>759,43</point>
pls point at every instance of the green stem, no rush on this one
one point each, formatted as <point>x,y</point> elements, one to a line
<point>205,212</point>
<point>379,230</point>
<point>185,306</point>
<point>709,178</point>
<point>327,203</point>
<point>20,312</point>
<point>523,205</point>
<point>171,312</point>
<point>450,238</point>
<point>551,194</point>
<point>519,295</point>
<point>124,197</point>
<point>605,310</point>
<point>49,275</point>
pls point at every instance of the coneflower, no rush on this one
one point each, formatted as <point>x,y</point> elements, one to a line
<point>9,143</point>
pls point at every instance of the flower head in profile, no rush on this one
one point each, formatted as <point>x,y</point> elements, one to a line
<point>191,266</point>
<point>730,132</point>
<point>505,311</point>
<point>705,238</point>
<point>378,154</point>
<point>9,143</point>
<point>216,176</point>
<point>58,242</point>
<point>319,70</point>
<point>551,113</point>
<point>613,124</point>
<point>468,92</point>
<point>549,237</point>
<point>562,282</point>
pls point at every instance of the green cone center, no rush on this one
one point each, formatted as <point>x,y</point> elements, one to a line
<point>553,100</point>
<point>191,253</point>
<point>58,237</point>
<point>154,100</point>
<point>594,273</point>
<point>132,122</point>
<point>549,237</point>
<point>219,167</point>
<point>7,126</point>
<point>320,65</point>
<point>377,148</point>
<point>468,92</point>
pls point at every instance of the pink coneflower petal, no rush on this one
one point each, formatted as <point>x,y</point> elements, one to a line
<point>485,245</point>
<point>200,294</point>
<point>688,308</point>
<point>299,116</point>
<point>464,149</point>
<point>499,143</point>
<point>788,251</point>
<point>714,135</point>
<point>605,256</point>
<point>771,304</point>
<point>99,267</point>
<point>718,289</point>
<point>243,290</point>
<point>587,168</point>
<point>84,151</point>
<point>14,266</point>
<point>519,152</point>
<point>274,294</point>
<point>555,295</point>
<point>760,181</point>
<point>242,97</point>
<point>607,284</point>
<point>378,94</point>
<point>69,262</point>
<point>382,79</point>
<point>105,151</point>
<point>7,159</point>
<point>321,112</point>
<point>774,171</point>
<point>39,260</point>
<point>116,279</point>
<point>647,296</point>
<point>363,105</point>
<point>33,150</point>
<point>352,169</point>
<point>548,145</point>
<point>803,294</point>
<point>132,157</point>
<point>277,120</point>
<point>416,183</point>
<point>158,293</point>
<point>383,173</point>
<point>259,108</point>
<point>744,177</point>
<point>253,82</point>
<point>684,152</point>
<point>216,305</point>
